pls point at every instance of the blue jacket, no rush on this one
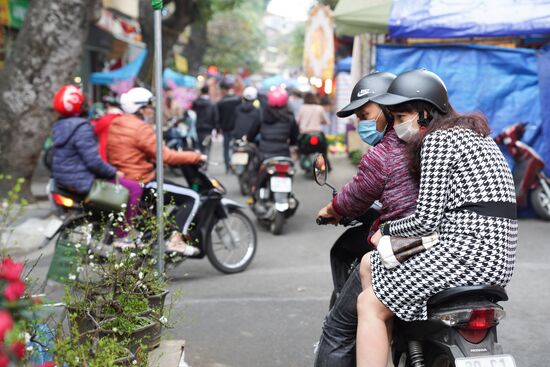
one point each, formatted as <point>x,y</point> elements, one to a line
<point>76,160</point>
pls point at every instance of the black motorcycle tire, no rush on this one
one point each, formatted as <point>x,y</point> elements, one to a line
<point>210,253</point>
<point>244,186</point>
<point>537,197</point>
<point>276,227</point>
<point>441,360</point>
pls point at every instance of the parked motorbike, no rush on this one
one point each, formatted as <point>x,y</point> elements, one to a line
<point>274,200</point>
<point>529,178</point>
<point>242,161</point>
<point>461,330</point>
<point>221,230</point>
<point>309,145</point>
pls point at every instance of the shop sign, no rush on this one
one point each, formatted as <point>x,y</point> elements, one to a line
<point>319,44</point>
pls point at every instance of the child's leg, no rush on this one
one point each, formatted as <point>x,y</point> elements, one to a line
<point>135,192</point>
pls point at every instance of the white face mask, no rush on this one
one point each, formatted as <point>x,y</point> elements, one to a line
<point>405,131</point>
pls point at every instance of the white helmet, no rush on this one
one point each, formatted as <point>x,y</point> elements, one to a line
<point>134,99</point>
<point>250,94</point>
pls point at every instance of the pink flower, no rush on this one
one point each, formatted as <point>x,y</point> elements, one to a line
<point>18,349</point>
<point>14,290</point>
<point>4,361</point>
<point>10,270</point>
<point>47,364</point>
<point>6,323</point>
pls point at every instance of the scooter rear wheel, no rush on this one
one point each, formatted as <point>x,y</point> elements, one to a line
<point>276,227</point>
<point>541,203</point>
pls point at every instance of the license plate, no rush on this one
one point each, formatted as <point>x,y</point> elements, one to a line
<point>486,361</point>
<point>239,159</point>
<point>281,184</point>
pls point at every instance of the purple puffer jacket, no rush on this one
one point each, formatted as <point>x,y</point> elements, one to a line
<point>383,175</point>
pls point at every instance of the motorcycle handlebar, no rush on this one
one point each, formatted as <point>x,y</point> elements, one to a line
<point>324,221</point>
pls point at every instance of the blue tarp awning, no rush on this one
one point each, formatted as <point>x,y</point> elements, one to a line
<point>276,81</point>
<point>180,80</point>
<point>344,65</point>
<point>466,18</point>
<point>126,72</point>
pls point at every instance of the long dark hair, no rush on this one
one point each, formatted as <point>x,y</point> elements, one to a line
<point>310,98</point>
<point>436,120</point>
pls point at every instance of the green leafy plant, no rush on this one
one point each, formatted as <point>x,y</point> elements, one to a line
<point>355,156</point>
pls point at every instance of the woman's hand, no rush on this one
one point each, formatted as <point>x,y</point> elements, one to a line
<point>375,239</point>
<point>329,212</point>
<point>119,174</point>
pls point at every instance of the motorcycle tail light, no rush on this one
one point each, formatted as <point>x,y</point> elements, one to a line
<point>473,324</point>
<point>314,140</point>
<point>62,200</point>
<point>282,168</point>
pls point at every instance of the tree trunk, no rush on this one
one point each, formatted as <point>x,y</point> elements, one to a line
<point>196,48</point>
<point>47,50</point>
<point>184,14</point>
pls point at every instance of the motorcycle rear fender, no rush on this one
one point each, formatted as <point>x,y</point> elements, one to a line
<point>230,204</point>
<point>281,201</point>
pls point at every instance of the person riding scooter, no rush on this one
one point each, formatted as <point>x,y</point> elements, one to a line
<point>131,147</point>
<point>277,129</point>
<point>383,175</point>
<point>466,194</point>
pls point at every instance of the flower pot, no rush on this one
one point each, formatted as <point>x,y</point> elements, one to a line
<point>148,336</point>
<point>156,302</point>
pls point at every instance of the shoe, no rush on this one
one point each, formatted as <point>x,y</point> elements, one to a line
<point>177,244</point>
<point>124,243</point>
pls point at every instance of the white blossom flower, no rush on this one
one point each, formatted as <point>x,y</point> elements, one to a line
<point>115,329</point>
<point>91,257</point>
<point>111,233</point>
<point>134,362</point>
<point>77,246</point>
<point>140,275</point>
<point>123,205</point>
<point>132,255</point>
<point>79,269</point>
<point>72,277</point>
<point>163,319</point>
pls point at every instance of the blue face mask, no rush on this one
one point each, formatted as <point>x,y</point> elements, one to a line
<point>368,133</point>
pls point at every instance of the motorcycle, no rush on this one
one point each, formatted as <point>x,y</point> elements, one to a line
<point>529,178</point>
<point>461,329</point>
<point>273,200</point>
<point>242,161</point>
<point>221,230</point>
<point>309,145</point>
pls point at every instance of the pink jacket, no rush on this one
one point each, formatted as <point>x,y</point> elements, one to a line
<point>383,175</point>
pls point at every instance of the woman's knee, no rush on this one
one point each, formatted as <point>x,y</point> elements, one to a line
<point>368,305</point>
<point>365,271</point>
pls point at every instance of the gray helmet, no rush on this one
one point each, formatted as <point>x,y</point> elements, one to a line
<point>416,85</point>
<point>365,90</point>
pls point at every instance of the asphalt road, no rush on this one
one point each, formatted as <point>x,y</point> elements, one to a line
<point>271,314</point>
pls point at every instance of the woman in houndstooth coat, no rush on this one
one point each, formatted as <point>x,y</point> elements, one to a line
<point>466,195</point>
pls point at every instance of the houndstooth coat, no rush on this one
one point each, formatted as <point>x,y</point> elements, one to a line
<point>458,167</point>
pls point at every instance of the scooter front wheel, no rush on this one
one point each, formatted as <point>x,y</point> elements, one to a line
<point>541,202</point>
<point>232,242</point>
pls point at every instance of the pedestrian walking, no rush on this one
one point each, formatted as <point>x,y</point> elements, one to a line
<point>226,111</point>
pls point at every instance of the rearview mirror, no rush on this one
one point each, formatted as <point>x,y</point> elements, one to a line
<point>320,170</point>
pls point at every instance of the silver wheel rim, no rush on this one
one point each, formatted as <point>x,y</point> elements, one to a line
<point>233,254</point>
<point>544,201</point>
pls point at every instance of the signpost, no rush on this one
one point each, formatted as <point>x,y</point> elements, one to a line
<point>157,8</point>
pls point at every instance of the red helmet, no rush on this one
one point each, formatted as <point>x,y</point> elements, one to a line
<point>277,98</point>
<point>68,100</point>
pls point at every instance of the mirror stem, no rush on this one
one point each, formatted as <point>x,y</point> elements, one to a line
<point>334,191</point>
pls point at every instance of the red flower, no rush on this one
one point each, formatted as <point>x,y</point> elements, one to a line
<point>18,348</point>
<point>10,270</point>
<point>6,323</point>
<point>4,361</point>
<point>47,364</point>
<point>14,290</point>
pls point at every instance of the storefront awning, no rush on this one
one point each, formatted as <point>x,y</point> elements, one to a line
<point>354,17</point>
<point>128,71</point>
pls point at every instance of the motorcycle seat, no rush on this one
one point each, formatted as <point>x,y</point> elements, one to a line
<point>278,159</point>
<point>493,293</point>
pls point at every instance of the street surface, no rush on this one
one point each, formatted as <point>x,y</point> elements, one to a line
<point>271,315</point>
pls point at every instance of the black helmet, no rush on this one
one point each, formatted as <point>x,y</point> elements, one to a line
<point>365,90</point>
<point>416,85</point>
